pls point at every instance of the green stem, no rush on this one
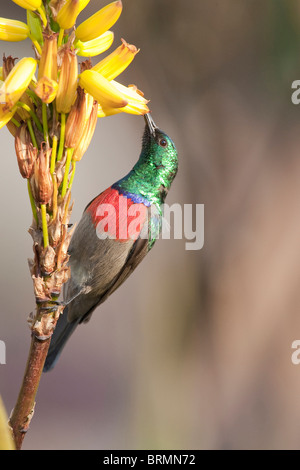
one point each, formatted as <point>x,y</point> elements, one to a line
<point>15,122</point>
<point>32,203</point>
<point>72,174</point>
<point>44,225</point>
<point>31,132</point>
<point>67,170</point>
<point>53,155</point>
<point>60,37</point>
<point>32,96</point>
<point>54,197</point>
<point>32,114</point>
<point>62,136</point>
<point>45,122</point>
<point>36,44</point>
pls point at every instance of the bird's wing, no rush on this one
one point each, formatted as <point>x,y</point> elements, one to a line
<point>137,253</point>
<point>135,256</point>
<point>98,265</point>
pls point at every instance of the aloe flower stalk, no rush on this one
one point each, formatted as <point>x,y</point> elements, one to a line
<point>50,103</point>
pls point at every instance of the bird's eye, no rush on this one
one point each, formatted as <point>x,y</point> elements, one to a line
<point>163,143</point>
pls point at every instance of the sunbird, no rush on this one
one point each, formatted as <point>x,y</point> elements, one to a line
<point>117,229</point>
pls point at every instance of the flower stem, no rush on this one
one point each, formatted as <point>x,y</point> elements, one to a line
<point>31,132</point>
<point>43,16</point>
<point>44,225</point>
<point>33,97</point>
<point>72,174</point>
<point>32,203</point>
<point>36,44</point>
<point>54,197</point>
<point>53,155</point>
<point>23,411</point>
<point>32,114</point>
<point>60,37</point>
<point>62,137</point>
<point>15,122</point>
<point>67,170</point>
<point>45,122</point>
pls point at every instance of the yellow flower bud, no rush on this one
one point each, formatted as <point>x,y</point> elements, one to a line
<point>67,86</point>
<point>116,62</point>
<point>46,87</point>
<point>13,30</point>
<point>95,46</point>
<point>29,4</point>
<point>48,62</point>
<point>101,89</point>
<point>16,83</point>
<point>68,13</point>
<point>8,65</point>
<point>100,22</point>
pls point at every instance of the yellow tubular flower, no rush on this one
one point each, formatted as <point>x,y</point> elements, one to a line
<point>131,92</point>
<point>47,85</point>
<point>99,22</point>
<point>48,62</point>
<point>29,4</point>
<point>16,83</point>
<point>102,90</point>
<point>13,30</point>
<point>67,85</point>
<point>68,13</point>
<point>95,46</point>
<point>116,62</point>
<point>137,104</point>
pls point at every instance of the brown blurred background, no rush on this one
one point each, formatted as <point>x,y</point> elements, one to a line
<point>194,351</point>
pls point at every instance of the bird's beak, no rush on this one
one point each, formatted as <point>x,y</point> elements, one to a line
<point>150,123</point>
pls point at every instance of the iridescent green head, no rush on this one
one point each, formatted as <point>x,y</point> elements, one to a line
<point>159,154</point>
<point>152,175</point>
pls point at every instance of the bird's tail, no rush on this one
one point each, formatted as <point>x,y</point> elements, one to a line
<point>61,334</point>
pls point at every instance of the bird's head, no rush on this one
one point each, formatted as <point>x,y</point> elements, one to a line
<point>160,154</point>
